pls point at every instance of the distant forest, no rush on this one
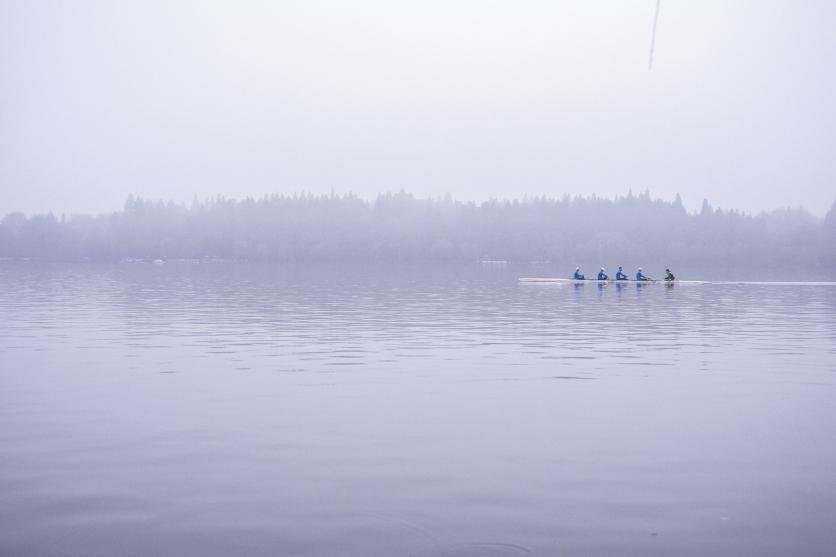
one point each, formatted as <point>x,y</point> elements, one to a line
<point>401,227</point>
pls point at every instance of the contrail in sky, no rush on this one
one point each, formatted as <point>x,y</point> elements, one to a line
<point>653,36</point>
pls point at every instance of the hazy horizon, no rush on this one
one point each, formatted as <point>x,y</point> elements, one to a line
<point>402,228</point>
<point>309,277</point>
<point>691,206</point>
<point>479,100</point>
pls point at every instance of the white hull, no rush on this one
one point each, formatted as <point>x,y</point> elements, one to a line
<point>588,281</point>
<point>677,281</point>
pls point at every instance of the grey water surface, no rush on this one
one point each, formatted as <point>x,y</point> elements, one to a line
<point>242,409</point>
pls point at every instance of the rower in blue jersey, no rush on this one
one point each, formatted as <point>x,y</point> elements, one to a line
<point>640,275</point>
<point>578,275</point>
<point>602,274</point>
<point>621,275</point>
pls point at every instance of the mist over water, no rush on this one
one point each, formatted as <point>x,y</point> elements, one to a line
<point>261,262</point>
<point>632,230</point>
<point>250,409</point>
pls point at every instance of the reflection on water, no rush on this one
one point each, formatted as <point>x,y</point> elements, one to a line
<point>255,410</point>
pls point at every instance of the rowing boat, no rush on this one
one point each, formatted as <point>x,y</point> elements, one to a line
<point>547,280</point>
<point>591,281</point>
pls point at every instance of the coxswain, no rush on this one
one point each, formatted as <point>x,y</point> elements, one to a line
<point>669,276</point>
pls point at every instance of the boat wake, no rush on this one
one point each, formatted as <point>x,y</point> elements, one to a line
<point>641,282</point>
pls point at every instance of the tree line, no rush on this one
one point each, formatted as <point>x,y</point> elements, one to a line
<point>401,227</point>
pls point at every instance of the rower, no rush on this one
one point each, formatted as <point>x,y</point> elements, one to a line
<point>640,275</point>
<point>668,275</point>
<point>621,275</point>
<point>602,275</point>
<point>578,275</point>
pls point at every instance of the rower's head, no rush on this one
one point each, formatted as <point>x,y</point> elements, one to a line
<point>619,268</point>
<point>602,268</point>
<point>577,268</point>
<point>640,268</point>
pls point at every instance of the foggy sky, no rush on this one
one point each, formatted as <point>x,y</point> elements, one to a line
<point>479,99</point>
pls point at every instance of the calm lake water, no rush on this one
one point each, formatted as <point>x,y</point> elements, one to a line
<point>232,409</point>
